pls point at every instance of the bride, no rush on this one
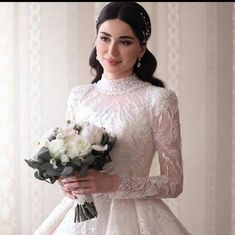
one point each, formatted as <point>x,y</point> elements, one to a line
<point>129,102</point>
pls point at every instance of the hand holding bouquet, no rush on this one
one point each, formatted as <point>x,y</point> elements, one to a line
<point>64,151</point>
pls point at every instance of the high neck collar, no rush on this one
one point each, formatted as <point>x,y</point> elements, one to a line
<point>119,86</point>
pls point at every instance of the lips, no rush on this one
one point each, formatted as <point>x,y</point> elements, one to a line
<point>112,62</point>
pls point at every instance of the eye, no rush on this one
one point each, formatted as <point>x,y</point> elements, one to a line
<point>125,43</point>
<point>103,38</point>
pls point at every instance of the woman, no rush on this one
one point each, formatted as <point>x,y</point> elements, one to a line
<point>129,102</point>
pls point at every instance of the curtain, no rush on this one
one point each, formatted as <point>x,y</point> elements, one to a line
<point>44,52</point>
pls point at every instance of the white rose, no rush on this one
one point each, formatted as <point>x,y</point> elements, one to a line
<point>56,147</point>
<point>78,146</point>
<point>60,136</point>
<point>69,133</point>
<point>64,159</point>
<point>93,134</point>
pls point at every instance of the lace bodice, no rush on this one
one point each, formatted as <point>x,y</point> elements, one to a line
<point>145,120</point>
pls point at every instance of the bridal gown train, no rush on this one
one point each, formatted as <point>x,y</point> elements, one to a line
<point>145,119</point>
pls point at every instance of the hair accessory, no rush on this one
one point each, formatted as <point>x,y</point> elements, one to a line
<point>138,64</point>
<point>147,31</point>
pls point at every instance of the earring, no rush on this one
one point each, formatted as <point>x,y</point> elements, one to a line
<point>138,64</point>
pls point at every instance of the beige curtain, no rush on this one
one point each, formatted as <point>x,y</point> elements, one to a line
<point>44,51</point>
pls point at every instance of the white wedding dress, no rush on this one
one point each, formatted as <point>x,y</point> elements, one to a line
<point>145,119</point>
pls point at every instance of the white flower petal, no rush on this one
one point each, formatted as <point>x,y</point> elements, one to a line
<point>100,148</point>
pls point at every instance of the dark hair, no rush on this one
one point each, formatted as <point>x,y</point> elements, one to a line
<point>136,16</point>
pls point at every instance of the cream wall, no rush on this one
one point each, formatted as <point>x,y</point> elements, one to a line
<point>45,49</point>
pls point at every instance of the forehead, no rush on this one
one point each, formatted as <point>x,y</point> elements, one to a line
<point>116,27</point>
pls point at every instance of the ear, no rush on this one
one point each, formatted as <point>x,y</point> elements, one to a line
<point>141,51</point>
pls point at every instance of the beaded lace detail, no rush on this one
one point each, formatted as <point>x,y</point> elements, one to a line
<point>119,86</point>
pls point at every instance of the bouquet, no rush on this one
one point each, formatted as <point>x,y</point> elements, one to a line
<point>63,151</point>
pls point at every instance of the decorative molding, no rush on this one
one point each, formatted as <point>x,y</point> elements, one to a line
<point>173,67</point>
<point>8,166</point>
<point>173,43</point>
<point>211,133</point>
<point>233,134</point>
<point>97,8</point>
<point>35,101</point>
<point>73,45</point>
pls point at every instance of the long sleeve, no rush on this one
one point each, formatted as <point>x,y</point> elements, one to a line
<point>167,140</point>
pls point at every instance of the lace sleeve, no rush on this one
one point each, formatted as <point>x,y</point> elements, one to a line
<point>167,137</point>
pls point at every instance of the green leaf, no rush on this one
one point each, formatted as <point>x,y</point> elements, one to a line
<point>32,163</point>
<point>67,171</point>
<point>53,172</point>
<point>90,159</point>
<point>52,180</point>
<point>46,166</point>
<point>39,175</point>
<point>83,170</point>
<point>76,161</point>
<point>44,155</point>
<point>105,139</point>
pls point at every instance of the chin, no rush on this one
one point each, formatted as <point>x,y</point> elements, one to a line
<point>111,70</point>
<point>117,70</point>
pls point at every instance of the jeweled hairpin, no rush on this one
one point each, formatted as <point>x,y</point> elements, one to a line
<point>147,31</point>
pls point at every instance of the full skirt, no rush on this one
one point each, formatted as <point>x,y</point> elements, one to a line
<point>115,217</point>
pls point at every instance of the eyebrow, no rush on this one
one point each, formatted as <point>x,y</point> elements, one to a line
<point>122,37</point>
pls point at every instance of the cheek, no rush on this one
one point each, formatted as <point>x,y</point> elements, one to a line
<point>131,55</point>
<point>100,48</point>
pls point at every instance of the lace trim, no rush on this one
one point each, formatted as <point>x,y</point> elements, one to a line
<point>119,86</point>
<point>126,184</point>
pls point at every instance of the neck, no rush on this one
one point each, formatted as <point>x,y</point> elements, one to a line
<point>112,76</point>
<point>120,86</point>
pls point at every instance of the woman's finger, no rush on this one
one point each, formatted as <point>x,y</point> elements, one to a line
<point>82,191</point>
<point>72,178</point>
<point>78,184</point>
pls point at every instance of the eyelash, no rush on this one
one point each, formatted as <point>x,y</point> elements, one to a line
<point>105,39</point>
<point>125,42</point>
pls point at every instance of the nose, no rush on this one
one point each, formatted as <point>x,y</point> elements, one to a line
<point>113,49</point>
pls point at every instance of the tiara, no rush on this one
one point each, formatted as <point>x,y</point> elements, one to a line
<point>147,31</point>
